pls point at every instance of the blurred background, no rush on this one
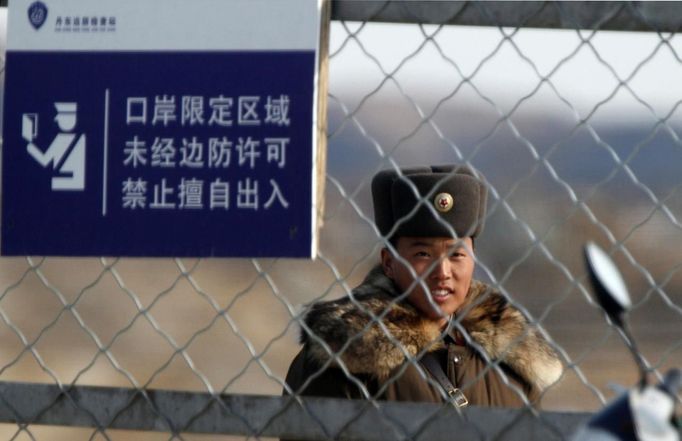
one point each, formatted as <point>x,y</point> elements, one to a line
<point>577,133</point>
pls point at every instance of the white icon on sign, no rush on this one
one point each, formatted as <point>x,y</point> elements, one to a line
<point>66,152</point>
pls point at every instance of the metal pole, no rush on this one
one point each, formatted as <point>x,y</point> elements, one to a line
<point>621,16</point>
<point>274,416</point>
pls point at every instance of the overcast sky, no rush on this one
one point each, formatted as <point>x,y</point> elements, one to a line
<point>583,79</point>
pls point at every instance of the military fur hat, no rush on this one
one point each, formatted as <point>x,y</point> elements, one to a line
<point>446,197</point>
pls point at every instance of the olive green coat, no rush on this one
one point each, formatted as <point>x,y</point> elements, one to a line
<point>368,344</point>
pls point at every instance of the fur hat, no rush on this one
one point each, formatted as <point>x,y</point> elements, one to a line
<point>429,202</point>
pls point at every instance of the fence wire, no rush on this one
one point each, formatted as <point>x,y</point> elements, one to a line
<point>577,133</point>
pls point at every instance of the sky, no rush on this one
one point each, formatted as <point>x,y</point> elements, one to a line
<point>594,64</point>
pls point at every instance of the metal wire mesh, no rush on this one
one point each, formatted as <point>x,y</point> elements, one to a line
<point>576,132</point>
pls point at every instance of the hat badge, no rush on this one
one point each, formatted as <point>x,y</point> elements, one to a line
<point>443,202</point>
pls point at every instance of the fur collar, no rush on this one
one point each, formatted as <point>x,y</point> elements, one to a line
<point>369,347</point>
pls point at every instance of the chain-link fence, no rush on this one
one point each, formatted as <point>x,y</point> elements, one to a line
<point>576,132</point>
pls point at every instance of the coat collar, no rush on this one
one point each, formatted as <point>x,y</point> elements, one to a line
<point>372,332</point>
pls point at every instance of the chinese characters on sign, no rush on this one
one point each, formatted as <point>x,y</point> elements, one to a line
<point>190,153</point>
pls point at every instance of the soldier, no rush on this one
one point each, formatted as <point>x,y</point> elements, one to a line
<point>421,311</point>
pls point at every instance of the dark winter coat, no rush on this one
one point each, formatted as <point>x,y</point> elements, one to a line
<point>492,355</point>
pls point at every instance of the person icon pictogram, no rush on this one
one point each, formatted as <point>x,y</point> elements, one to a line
<point>66,153</point>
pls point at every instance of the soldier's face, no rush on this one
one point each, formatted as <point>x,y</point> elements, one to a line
<point>444,266</point>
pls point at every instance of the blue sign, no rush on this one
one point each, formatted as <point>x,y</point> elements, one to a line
<point>154,152</point>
